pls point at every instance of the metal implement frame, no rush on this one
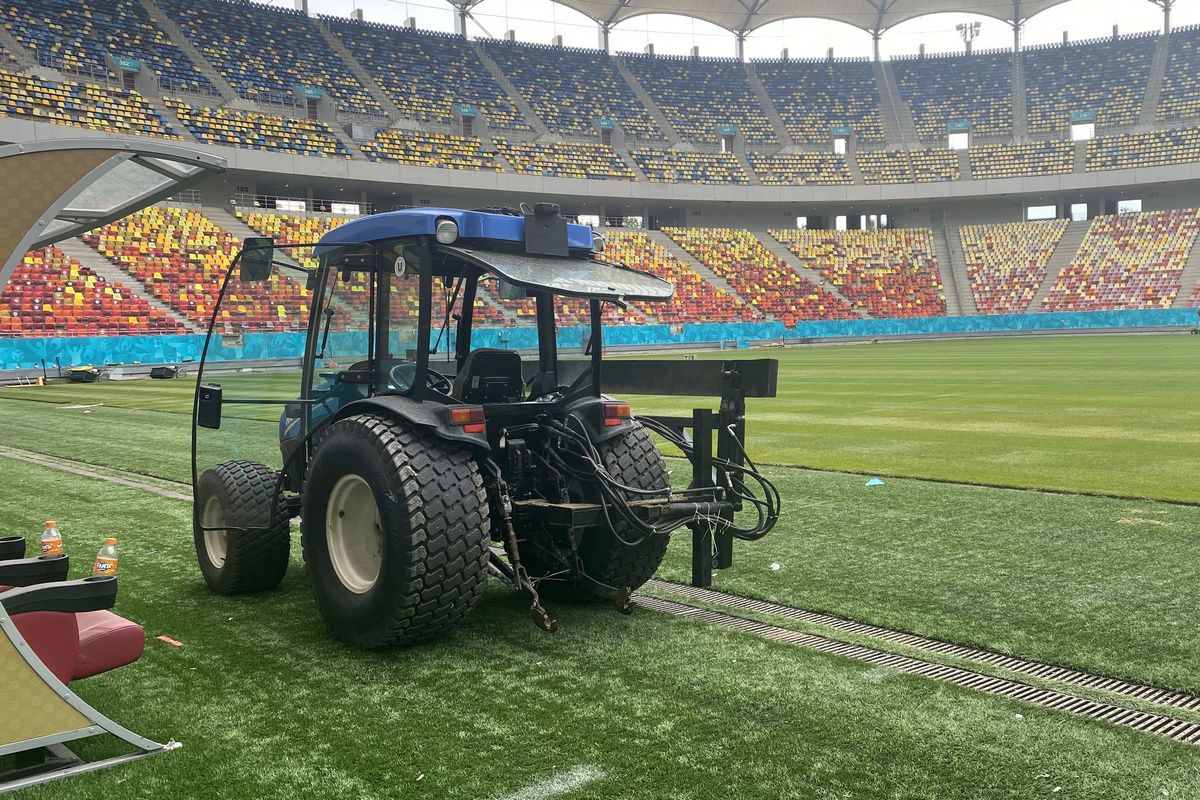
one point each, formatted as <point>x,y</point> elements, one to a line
<point>730,380</point>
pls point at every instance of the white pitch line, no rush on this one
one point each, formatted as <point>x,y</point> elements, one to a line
<point>559,784</point>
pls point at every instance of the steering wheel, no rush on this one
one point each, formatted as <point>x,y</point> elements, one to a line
<point>402,374</point>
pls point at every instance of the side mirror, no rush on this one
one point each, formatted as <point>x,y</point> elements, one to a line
<point>208,406</point>
<point>258,252</point>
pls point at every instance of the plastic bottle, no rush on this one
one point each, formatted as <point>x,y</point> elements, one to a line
<point>106,559</point>
<point>51,539</point>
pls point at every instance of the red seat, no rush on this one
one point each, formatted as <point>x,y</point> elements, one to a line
<point>80,645</point>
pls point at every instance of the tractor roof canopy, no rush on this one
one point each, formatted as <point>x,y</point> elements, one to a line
<point>535,250</point>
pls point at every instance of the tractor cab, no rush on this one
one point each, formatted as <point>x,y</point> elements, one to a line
<point>451,397</point>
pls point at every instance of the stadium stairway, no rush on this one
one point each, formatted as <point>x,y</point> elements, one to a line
<point>1020,105</point>
<point>1158,71</point>
<point>364,76</point>
<point>14,48</point>
<point>953,272</point>
<point>1189,278</point>
<point>160,18</point>
<point>768,106</point>
<point>87,257</point>
<point>518,99</point>
<point>898,124</point>
<point>748,168</point>
<point>1080,162</point>
<point>852,167</point>
<point>639,91</point>
<point>964,166</point>
<point>780,251</point>
<point>173,119</point>
<point>1068,246</point>
<point>684,257</point>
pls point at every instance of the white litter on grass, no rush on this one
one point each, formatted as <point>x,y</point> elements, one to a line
<point>78,406</point>
<point>559,784</point>
<point>776,566</point>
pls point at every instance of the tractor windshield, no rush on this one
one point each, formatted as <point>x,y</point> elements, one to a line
<point>260,303</point>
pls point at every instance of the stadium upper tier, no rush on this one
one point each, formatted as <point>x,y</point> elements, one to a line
<point>785,113</point>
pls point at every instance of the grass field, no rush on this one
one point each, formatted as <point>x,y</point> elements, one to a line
<point>267,705</point>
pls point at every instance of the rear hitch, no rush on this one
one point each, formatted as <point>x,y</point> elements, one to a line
<point>517,573</point>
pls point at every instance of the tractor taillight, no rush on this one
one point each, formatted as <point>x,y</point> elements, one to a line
<point>613,413</point>
<point>469,418</point>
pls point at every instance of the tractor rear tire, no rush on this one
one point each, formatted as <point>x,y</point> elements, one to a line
<point>395,531</point>
<point>241,494</point>
<point>634,461</point>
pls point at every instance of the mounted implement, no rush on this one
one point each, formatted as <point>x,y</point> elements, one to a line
<point>418,474</point>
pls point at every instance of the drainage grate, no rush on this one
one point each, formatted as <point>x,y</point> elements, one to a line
<point>1036,669</point>
<point>1179,730</point>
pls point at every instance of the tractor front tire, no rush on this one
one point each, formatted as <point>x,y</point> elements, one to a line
<point>634,461</point>
<point>395,531</point>
<point>253,557</point>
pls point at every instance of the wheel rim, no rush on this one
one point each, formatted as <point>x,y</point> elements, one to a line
<point>354,534</point>
<point>216,540</point>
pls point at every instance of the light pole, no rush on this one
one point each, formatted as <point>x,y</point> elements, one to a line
<point>968,31</point>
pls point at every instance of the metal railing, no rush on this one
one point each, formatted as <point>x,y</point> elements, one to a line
<point>300,205</point>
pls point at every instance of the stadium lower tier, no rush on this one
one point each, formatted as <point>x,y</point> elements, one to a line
<point>175,259</point>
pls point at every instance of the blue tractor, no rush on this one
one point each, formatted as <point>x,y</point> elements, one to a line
<point>425,451</point>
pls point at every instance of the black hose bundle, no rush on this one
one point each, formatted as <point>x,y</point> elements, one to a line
<point>589,468</point>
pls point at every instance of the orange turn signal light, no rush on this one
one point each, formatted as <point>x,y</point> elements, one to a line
<point>469,418</point>
<point>612,413</point>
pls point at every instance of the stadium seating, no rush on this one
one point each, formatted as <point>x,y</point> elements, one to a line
<point>1007,262</point>
<point>80,105</point>
<point>565,160</point>
<point>267,52</point>
<point>813,96</point>
<point>677,166</point>
<point>1127,261</point>
<point>698,94</point>
<point>422,149</point>
<point>933,165</point>
<point>571,88</point>
<point>886,273</point>
<point>884,166</point>
<point>975,88</point>
<point>1105,76</point>
<point>1180,97</point>
<point>1009,160</point>
<point>233,128</point>
<point>75,35</point>
<point>800,169</point>
<point>50,294</point>
<point>426,74</point>
<point>762,279</point>
<point>1154,149</point>
<point>300,230</point>
<point>181,257</point>
<point>695,299</point>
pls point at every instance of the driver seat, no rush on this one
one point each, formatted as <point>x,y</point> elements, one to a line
<point>490,375</point>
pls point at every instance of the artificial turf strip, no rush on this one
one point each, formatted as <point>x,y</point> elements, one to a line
<point>268,706</point>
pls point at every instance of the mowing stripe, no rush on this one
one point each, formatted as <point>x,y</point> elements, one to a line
<point>1037,669</point>
<point>110,475</point>
<point>1170,727</point>
<point>558,785</point>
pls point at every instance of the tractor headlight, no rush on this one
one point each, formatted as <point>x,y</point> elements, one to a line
<point>597,243</point>
<point>446,231</point>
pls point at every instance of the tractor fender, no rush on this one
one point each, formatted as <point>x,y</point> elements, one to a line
<point>434,417</point>
<point>588,411</point>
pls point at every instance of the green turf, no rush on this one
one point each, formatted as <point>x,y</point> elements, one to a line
<point>1107,414</point>
<point>268,706</point>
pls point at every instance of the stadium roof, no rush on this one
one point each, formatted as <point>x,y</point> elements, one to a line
<point>747,15</point>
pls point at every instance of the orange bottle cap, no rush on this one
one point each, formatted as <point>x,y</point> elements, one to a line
<point>51,522</point>
<point>110,540</point>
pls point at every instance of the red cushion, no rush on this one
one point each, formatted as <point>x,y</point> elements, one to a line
<point>54,636</point>
<point>106,642</point>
